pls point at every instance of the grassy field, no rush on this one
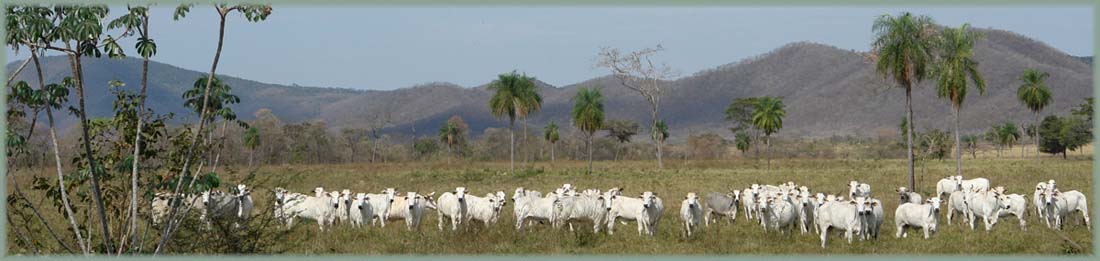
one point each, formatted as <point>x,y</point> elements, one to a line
<point>680,177</point>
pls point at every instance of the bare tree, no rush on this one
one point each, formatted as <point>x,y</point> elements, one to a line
<point>637,72</point>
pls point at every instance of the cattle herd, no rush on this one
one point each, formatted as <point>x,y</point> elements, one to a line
<point>780,208</point>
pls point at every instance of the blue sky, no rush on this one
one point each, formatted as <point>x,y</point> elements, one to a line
<point>367,47</point>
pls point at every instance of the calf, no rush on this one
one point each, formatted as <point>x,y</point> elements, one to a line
<point>691,212</point>
<point>925,216</point>
<point>380,205</point>
<point>838,214</point>
<point>361,210</point>
<point>1037,199</point>
<point>748,201</point>
<point>908,196</point>
<point>722,205</point>
<point>291,205</point>
<point>452,205</point>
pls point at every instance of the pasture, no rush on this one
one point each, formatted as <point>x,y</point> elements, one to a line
<point>679,178</point>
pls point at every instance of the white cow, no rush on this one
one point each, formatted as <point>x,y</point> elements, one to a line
<point>236,207</point>
<point>645,210</point>
<point>1037,199</point>
<point>361,210</point>
<point>345,206</point>
<point>592,208</point>
<point>945,186</point>
<point>291,205</point>
<point>856,189</point>
<point>452,205</point>
<point>985,204</point>
<point>536,209</point>
<point>907,196</point>
<point>777,212</point>
<point>409,208</point>
<point>691,212</point>
<point>957,203</point>
<point>804,206</point>
<point>838,214</point>
<point>485,209</point>
<point>1016,205</point>
<point>1059,204</point>
<point>380,205</point>
<point>871,216</point>
<point>748,201</point>
<point>978,184</point>
<point>925,216</point>
<point>721,205</point>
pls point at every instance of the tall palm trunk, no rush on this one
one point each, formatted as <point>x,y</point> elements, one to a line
<point>57,161</point>
<point>526,149</point>
<point>250,152</point>
<point>768,150</point>
<point>958,145</point>
<point>656,140</point>
<point>551,152</point>
<point>588,146</point>
<point>512,147</point>
<point>165,235</point>
<point>909,131</point>
<point>1037,137</point>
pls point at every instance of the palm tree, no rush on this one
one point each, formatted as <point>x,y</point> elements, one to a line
<point>511,98</point>
<point>1008,134</point>
<point>1034,94</point>
<point>660,133</point>
<point>451,135</point>
<point>904,51</point>
<point>955,66</point>
<point>252,141</point>
<point>588,116</point>
<point>550,132</point>
<point>768,117</point>
<point>742,141</point>
<point>532,102</point>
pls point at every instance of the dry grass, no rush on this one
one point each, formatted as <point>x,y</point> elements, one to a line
<point>680,177</point>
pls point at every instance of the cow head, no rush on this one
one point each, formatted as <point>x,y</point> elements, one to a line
<point>692,200</point>
<point>1051,185</point>
<point>648,199</point>
<point>755,188</point>
<point>607,198</point>
<point>390,193</point>
<point>1040,188</point>
<point>853,187</point>
<point>429,200</point>
<point>460,193</point>
<point>567,187</point>
<point>280,196</point>
<point>411,200</point>
<point>935,202</point>
<point>359,199</point>
<point>502,197</point>
<point>334,198</point>
<point>863,205</point>
<point>520,192</point>
<point>318,192</point>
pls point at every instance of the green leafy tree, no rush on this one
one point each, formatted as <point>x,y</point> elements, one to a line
<point>550,133</point>
<point>742,141</point>
<point>661,132</point>
<point>1007,134</point>
<point>971,145</point>
<point>621,131</point>
<point>252,141</point>
<point>768,118</point>
<point>1063,134</point>
<point>956,71</point>
<point>588,116</point>
<point>453,133</point>
<point>511,95</point>
<point>252,13</point>
<point>904,46</point>
<point>1034,94</point>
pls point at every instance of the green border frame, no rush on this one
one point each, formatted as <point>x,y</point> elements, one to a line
<point>594,3</point>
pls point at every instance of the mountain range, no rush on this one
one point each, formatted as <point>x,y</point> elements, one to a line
<point>827,91</point>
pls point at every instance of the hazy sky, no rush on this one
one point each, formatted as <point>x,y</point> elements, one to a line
<point>366,47</point>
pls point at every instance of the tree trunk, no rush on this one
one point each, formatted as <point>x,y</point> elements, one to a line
<point>250,157</point>
<point>221,142</point>
<point>551,152</point>
<point>1038,122</point>
<point>656,139</point>
<point>93,168</point>
<point>57,161</point>
<point>958,145</point>
<point>768,151</point>
<point>526,149</point>
<point>202,123</point>
<point>512,147</point>
<point>588,146</point>
<point>909,132</point>
<point>137,142</point>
